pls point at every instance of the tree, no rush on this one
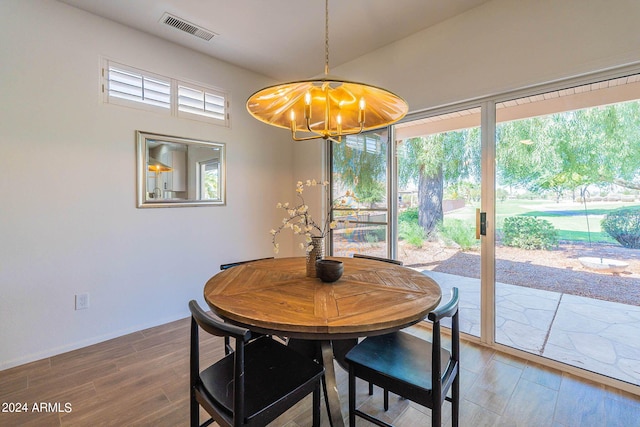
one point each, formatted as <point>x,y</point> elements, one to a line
<point>361,163</point>
<point>434,161</point>
<point>572,150</point>
<point>524,153</point>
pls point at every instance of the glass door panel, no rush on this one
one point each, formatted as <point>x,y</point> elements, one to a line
<point>359,186</point>
<point>567,214</point>
<point>438,163</point>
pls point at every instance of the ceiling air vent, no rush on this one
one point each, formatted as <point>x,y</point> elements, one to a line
<point>187,27</point>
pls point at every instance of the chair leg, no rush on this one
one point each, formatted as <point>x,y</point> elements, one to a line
<point>195,410</point>
<point>436,415</point>
<point>455,401</point>
<point>370,389</point>
<point>316,406</point>
<point>386,399</point>
<point>352,397</point>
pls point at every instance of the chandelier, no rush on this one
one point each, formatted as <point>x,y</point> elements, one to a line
<point>326,107</point>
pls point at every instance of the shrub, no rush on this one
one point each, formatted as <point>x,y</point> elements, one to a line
<point>412,233</point>
<point>408,228</point>
<point>376,235</point>
<point>529,233</point>
<point>458,231</point>
<point>410,215</point>
<point>624,225</point>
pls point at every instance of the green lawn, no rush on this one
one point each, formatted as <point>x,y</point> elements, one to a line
<point>567,217</point>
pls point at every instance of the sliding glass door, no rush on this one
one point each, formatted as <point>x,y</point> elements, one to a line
<point>439,189</point>
<point>568,221</point>
<point>553,177</point>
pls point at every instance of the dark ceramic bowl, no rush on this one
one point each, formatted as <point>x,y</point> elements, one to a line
<point>329,270</point>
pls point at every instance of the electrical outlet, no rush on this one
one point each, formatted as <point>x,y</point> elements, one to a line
<point>82,301</point>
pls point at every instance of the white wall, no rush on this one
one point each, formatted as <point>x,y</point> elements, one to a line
<point>68,217</point>
<point>501,46</point>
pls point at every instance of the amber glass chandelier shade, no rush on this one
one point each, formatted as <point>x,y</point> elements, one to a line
<point>326,107</point>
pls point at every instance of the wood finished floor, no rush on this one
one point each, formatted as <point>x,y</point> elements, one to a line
<point>142,379</point>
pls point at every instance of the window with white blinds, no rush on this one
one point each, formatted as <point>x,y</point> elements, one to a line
<point>202,102</point>
<point>129,86</point>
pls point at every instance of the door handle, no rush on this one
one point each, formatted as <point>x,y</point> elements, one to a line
<point>481,224</point>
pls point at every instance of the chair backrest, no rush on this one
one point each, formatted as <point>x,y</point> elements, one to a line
<point>276,377</point>
<point>450,309</point>
<point>233,264</point>
<point>376,258</point>
<point>215,326</point>
<point>200,319</point>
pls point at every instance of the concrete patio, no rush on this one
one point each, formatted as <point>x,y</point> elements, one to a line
<point>595,335</point>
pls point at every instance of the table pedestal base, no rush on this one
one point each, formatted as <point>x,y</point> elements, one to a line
<point>333,399</point>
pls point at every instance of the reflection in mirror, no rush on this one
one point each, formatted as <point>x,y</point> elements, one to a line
<point>174,171</point>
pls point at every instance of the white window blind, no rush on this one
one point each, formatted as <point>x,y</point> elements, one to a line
<point>132,85</point>
<point>202,102</point>
<point>129,86</point>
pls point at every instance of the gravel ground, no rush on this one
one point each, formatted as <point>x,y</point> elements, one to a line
<point>556,270</point>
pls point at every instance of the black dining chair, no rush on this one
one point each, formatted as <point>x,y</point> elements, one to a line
<point>410,367</point>
<point>341,348</point>
<point>376,258</point>
<point>256,383</point>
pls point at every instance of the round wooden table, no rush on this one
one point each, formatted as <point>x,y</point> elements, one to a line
<point>274,296</point>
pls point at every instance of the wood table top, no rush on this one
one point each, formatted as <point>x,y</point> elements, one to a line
<point>275,296</point>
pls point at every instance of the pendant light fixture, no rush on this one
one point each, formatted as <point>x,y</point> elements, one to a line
<point>158,167</point>
<point>326,107</point>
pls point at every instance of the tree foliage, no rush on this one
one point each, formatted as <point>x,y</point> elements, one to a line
<point>560,152</point>
<point>435,161</point>
<point>572,150</point>
<point>361,165</point>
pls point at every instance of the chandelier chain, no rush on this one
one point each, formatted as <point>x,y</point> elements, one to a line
<point>326,38</point>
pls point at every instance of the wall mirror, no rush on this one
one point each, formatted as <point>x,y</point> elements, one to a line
<point>175,172</point>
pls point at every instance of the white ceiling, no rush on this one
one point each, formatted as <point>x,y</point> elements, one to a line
<point>283,39</point>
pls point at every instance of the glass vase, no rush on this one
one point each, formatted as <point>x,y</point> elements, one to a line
<point>316,253</point>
